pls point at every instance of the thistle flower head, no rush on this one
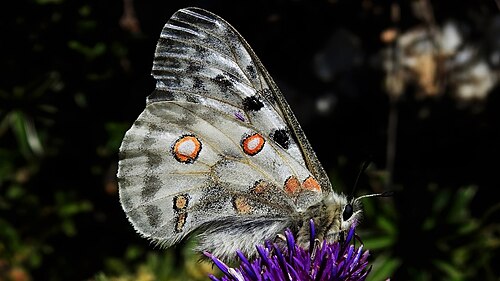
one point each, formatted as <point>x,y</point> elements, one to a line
<point>327,261</point>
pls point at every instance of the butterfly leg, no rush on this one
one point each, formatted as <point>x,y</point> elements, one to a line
<point>281,237</point>
<point>314,248</point>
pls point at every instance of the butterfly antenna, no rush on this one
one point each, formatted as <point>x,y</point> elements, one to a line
<point>366,163</point>
<point>389,193</point>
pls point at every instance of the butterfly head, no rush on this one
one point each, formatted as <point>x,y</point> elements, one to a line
<point>342,213</point>
<point>333,217</point>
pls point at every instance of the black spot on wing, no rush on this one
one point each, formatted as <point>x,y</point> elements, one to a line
<point>281,137</point>
<point>198,83</point>
<point>252,103</point>
<point>222,82</point>
<point>251,71</point>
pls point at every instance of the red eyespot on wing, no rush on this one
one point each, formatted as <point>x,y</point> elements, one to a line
<point>186,149</point>
<point>253,144</point>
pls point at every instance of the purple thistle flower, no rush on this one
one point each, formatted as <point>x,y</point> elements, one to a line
<point>332,261</point>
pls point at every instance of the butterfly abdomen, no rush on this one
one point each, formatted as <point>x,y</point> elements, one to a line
<point>224,238</point>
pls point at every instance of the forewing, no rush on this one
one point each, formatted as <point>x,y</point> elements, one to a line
<point>220,64</point>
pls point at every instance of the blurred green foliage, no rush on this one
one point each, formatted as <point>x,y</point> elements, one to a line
<point>76,74</point>
<point>456,245</point>
<point>173,264</point>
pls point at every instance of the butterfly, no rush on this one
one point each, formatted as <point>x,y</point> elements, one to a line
<point>217,150</point>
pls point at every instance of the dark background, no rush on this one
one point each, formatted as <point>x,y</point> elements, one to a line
<point>75,75</point>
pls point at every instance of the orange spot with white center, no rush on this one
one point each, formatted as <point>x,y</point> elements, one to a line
<point>253,144</point>
<point>186,149</point>
<point>311,184</point>
<point>292,185</point>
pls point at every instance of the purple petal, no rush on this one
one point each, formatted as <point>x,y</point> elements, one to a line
<point>281,261</point>
<point>293,273</point>
<point>249,271</point>
<point>242,257</point>
<point>324,259</point>
<point>263,255</point>
<point>312,235</point>
<point>222,266</point>
<point>290,241</point>
<point>349,253</point>
<point>350,235</point>
<point>213,278</point>
<point>354,261</point>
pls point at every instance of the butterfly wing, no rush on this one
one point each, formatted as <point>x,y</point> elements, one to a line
<point>216,141</point>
